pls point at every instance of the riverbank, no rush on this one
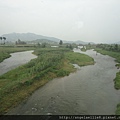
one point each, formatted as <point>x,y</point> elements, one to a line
<point>115,55</point>
<point>18,84</point>
<point>17,59</point>
<point>5,51</point>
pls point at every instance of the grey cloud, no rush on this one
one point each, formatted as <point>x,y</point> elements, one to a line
<point>87,20</point>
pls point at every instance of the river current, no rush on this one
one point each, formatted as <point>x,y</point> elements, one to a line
<point>16,59</point>
<point>88,91</point>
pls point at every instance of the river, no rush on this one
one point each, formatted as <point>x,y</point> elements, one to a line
<point>88,91</point>
<point>16,59</point>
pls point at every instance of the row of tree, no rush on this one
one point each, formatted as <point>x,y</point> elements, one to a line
<point>19,42</point>
<point>113,47</point>
<point>3,38</point>
<point>43,45</point>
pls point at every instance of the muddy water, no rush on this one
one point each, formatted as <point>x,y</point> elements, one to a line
<point>89,91</point>
<point>15,60</point>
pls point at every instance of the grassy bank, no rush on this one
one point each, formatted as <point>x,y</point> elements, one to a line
<point>80,59</point>
<point>5,51</point>
<point>115,55</point>
<point>20,83</point>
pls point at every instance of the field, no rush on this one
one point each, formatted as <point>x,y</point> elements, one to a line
<point>18,84</point>
<point>113,54</point>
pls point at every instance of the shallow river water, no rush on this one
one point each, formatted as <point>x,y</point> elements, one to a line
<point>88,91</point>
<point>16,59</point>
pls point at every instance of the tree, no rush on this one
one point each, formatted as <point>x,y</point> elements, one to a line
<point>16,42</point>
<point>67,46</point>
<point>116,47</point>
<point>61,42</point>
<point>1,40</point>
<point>111,48</point>
<point>38,44</point>
<point>89,44</point>
<point>19,42</point>
<point>43,45</point>
<point>4,38</point>
<point>71,47</point>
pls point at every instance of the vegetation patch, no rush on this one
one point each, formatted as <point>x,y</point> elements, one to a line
<point>78,58</point>
<point>117,81</point>
<point>118,109</point>
<point>83,49</point>
<point>113,54</point>
<point>18,84</point>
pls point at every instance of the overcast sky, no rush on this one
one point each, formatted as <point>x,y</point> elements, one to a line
<point>86,20</point>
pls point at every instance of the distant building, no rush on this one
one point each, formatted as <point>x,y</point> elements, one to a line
<point>80,47</point>
<point>54,46</point>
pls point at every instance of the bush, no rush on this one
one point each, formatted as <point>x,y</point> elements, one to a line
<point>62,73</point>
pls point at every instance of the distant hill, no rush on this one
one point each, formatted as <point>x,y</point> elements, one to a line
<point>117,42</point>
<point>34,38</point>
<point>27,37</point>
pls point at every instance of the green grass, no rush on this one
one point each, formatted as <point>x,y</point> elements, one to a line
<point>18,84</point>
<point>115,55</point>
<point>118,109</point>
<point>118,65</point>
<point>117,81</point>
<point>83,49</point>
<point>80,59</point>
